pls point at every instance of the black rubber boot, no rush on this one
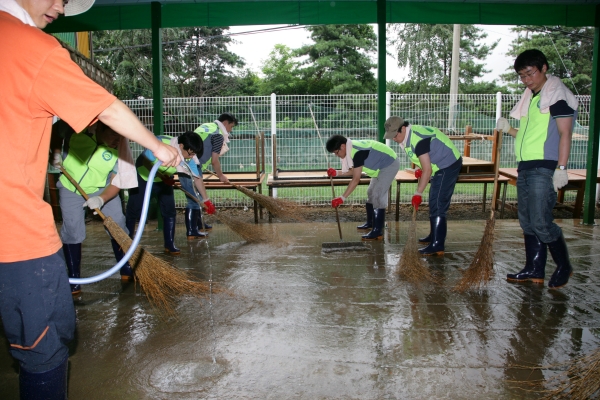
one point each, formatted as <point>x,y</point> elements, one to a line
<point>438,237</point>
<point>560,255</point>
<point>72,254</point>
<point>202,227</point>
<point>169,236</point>
<point>130,224</point>
<point>125,271</point>
<point>427,239</point>
<point>378,222</point>
<point>536,254</point>
<point>191,224</point>
<point>49,385</point>
<point>370,213</point>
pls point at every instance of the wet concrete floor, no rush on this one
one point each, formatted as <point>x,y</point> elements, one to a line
<point>302,324</point>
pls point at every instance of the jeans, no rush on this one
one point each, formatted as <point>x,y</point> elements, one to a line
<point>536,198</point>
<point>441,189</point>
<point>187,185</point>
<point>165,196</point>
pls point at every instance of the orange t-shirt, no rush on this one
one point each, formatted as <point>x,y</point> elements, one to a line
<point>38,80</point>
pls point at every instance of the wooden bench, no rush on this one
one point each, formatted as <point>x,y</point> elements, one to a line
<point>409,177</point>
<point>576,182</point>
<point>245,179</point>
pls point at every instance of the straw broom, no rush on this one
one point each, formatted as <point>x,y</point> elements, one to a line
<point>161,281</point>
<point>412,267</point>
<point>248,232</point>
<point>481,270</point>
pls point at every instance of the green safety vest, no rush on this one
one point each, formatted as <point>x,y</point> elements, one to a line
<point>531,137</point>
<point>88,162</point>
<point>205,131</point>
<point>380,149</point>
<point>169,171</point>
<point>419,132</point>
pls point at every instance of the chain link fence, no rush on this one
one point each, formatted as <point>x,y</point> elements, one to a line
<point>299,126</point>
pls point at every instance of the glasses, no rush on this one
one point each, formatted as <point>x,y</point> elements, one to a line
<point>190,152</point>
<point>336,152</point>
<point>528,75</point>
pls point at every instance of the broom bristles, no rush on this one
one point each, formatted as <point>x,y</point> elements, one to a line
<point>161,281</point>
<point>412,267</point>
<point>279,208</point>
<point>251,233</point>
<point>481,270</point>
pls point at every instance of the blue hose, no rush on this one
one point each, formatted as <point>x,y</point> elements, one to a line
<point>136,239</point>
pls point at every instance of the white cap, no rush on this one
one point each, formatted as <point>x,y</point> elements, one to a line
<point>75,7</point>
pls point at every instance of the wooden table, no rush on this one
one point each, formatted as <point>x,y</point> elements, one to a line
<point>409,177</point>
<point>576,182</point>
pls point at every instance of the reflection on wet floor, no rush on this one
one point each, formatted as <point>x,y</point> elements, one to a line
<point>302,324</point>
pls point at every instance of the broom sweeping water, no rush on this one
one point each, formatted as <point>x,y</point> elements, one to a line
<point>161,281</point>
<point>481,270</point>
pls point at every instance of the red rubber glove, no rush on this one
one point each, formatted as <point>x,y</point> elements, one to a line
<point>416,201</point>
<point>168,181</point>
<point>331,172</point>
<point>418,173</point>
<point>338,201</point>
<point>210,207</point>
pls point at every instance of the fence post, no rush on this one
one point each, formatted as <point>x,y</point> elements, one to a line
<point>273,135</point>
<point>388,111</point>
<point>498,106</point>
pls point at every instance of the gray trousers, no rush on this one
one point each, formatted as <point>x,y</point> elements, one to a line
<point>73,214</point>
<point>378,191</point>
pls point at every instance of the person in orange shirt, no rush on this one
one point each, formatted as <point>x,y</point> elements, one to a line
<point>40,81</point>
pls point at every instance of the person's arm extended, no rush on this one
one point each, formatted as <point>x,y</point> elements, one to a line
<point>356,175</point>
<point>426,174</point>
<point>216,164</point>
<point>123,121</point>
<point>565,126</point>
<point>109,193</point>
<point>201,188</point>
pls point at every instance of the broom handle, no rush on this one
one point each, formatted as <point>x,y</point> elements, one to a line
<point>191,196</point>
<point>337,216</point>
<point>496,171</point>
<point>84,194</point>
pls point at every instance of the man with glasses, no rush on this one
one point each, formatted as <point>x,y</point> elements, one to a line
<point>547,112</point>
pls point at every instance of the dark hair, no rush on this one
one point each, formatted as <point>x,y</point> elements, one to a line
<point>335,142</point>
<point>191,141</point>
<point>406,123</point>
<point>530,58</point>
<point>228,117</point>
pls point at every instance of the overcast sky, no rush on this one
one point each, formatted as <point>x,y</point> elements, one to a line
<point>255,47</point>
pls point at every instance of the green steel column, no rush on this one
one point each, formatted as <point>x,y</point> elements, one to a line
<point>157,90</point>
<point>381,70</point>
<point>589,204</point>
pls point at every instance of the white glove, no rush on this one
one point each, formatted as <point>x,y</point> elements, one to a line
<point>560,179</point>
<point>94,202</point>
<point>56,160</point>
<point>503,125</point>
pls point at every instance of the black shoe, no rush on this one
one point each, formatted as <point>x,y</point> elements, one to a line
<point>126,271</point>
<point>560,255</point>
<point>370,213</point>
<point>536,254</point>
<point>191,224</point>
<point>438,237</point>
<point>169,236</point>
<point>378,222</point>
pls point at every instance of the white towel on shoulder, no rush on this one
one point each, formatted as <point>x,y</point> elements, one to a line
<point>347,162</point>
<point>13,8</point>
<point>553,91</point>
<point>126,177</point>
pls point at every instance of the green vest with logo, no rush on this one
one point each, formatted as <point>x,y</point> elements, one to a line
<point>533,132</point>
<point>420,132</point>
<point>379,153</point>
<point>169,171</point>
<point>205,131</point>
<point>88,162</point>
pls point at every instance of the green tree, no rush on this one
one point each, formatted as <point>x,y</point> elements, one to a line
<point>196,61</point>
<point>568,50</point>
<point>281,73</point>
<point>426,50</point>
<point>339,59</point>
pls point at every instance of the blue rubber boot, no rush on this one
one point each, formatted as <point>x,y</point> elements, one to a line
<point>49,385</point>
<point>438,237</point>
<point>72,254</point>
<point>427,239</point>
<point>370,214</point>
<point>378,222</point>
<point>191,224</point>
<point>201,226</point>
<point>560,255</point>
<point>169,236</point>
<point>130,224</point>
<point>126,271</point>
<point>536,254</point>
